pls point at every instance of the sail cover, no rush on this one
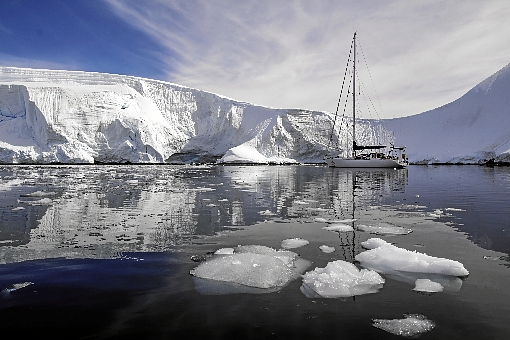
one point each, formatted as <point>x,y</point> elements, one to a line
<point>365,147</point>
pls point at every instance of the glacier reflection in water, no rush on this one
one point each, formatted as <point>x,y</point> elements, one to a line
<point>103,211</point>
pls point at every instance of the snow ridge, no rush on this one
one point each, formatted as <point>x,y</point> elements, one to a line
<point>471,129</point>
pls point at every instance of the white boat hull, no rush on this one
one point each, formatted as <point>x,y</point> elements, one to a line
<point>365,163</point>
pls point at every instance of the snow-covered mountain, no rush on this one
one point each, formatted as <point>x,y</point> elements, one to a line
<point>82,117</point>
<point>472,129</point>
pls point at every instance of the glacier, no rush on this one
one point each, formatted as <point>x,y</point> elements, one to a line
<point>52,116</point>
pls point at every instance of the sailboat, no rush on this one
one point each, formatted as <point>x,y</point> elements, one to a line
<point>395,158</point>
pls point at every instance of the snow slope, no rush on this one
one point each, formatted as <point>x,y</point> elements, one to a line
<point>82,117</point>
<point>472,129</point>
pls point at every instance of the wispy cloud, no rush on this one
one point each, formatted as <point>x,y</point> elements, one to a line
<point>421,54</point>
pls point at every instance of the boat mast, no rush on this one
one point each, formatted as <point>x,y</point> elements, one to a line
<point>354,101</point>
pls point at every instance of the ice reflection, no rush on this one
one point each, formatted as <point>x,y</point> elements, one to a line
<point>102,211</point>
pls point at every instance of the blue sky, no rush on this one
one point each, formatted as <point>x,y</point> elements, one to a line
<point>278,53</point>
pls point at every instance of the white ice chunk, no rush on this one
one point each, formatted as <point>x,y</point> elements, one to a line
<point>454,209</point>
<point>294,243</point>
<point>373,243</point>
<point>17,286</point>
<point>249,269</point>
<point>340,279</point>
<point>41,193</point>
<point>383,228</point>
<point>428,286</point>
<point>252,266</point>
<point>339,227</point>
<point>224,251</point>
<point>320,219</point>
<point>286,256</point>
<point>327,249</point>
<point>384,257</point>
<point>412,325</point>
<point>42,201</point>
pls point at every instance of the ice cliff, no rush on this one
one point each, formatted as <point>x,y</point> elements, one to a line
<point>83,117</point>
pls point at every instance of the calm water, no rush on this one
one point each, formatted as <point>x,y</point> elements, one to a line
<point>105,251</point>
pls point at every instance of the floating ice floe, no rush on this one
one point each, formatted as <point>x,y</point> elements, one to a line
<point>224,251</point>
<point>17,286</point>
<point>428,286</point>
<point>339,227</point>
<point>346,220</point>
<point>384,257</point>
<point>327,249</point>
<point>42,201</point>
<point>340,279</point>
<point>267,213</point>
<point>412,325</point>
<point>436,213</point>
<point>454,209</point>
<point>383,228</point>
<point>318,209</point>
<point>249,269</point>
<point>40,194</point>
<point>320,220</point>
<point>294,243</point>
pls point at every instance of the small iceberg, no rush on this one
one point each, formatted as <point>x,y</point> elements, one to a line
<point>383,228</point>
<point>42,201</point>
<point>248,269</point>
<point>339,227</point>
<point>40,194</point>
<point>16,287</point>
<point>411,325</point>
<point>454,209</point>
<point>327,249</point>
<point>294,243</point>
<point>340,279</point>
<point>384,257</point>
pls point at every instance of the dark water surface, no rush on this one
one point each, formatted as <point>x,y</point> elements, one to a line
<point>105,251</point>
